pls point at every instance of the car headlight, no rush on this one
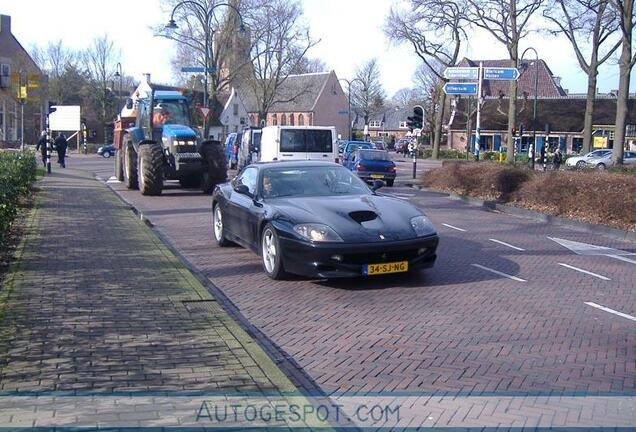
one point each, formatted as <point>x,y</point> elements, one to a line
<point>422,226</point>
<point>317,233</point>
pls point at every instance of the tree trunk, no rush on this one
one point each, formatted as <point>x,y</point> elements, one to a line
<point>512,120</point>
<point>589,108</point>
<point>621,103</point>
<point>439,118</point>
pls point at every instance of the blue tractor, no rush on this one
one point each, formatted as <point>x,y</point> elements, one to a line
<point>162,145</point>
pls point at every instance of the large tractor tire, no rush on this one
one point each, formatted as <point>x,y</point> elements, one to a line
<point>119,165</point>
<point>150,169</point>
<point>130,165</point>
<point>214,166</point>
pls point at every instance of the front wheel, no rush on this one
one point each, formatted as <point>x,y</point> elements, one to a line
<point>580,164</point>
<point>106,154</point>
<point>130,166</point>
<point>390,182</point>
<point>150,169</point>
<point>601,166</point>
<point>272,254</point>
<point>119,165</point>
<point>214,166</point>
<point>219,228</point>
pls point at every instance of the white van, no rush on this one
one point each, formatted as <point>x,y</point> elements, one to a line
<point>298,143</point>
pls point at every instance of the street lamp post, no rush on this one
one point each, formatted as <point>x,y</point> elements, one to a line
<point>349,82</point>
<point>120,74</point>
<point>209,49</point>
<point>534,104</point>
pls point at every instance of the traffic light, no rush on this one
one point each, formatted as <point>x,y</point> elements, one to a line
<point>51,108</point>
<point>410,123</point>
<point>418,117</point>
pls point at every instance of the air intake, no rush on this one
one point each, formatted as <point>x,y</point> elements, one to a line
<point>363,216</point>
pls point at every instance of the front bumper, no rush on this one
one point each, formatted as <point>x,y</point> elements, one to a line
<point>316,260</point>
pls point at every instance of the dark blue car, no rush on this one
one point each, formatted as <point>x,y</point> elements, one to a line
<point>352,146</point>
<point>372,164</point>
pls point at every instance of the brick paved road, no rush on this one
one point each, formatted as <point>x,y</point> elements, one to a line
<point>100,305</point>
<point>457,327</point>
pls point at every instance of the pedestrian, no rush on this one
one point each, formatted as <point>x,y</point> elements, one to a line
<point>558,159</point>
<point>60,145</point>
<point>41,145</point>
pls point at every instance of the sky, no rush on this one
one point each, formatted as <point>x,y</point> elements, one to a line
<point>350,33</point>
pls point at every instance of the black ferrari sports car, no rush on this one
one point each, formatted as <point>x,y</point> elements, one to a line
<point>317,219</point>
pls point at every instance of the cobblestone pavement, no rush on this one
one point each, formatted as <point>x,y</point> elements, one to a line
<point>506,310</point>
<point>100,305</point>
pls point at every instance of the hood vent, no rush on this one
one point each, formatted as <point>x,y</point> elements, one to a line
<point>363,216</point>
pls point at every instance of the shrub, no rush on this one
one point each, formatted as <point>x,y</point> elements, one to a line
<point>443,154</point>
<point>17,174</point>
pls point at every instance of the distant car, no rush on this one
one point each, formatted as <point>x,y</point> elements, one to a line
<point>580,161</point>
<point>629,158</point>
<point>379,145</point>
<point>317,219</point>
<point>106,151</point>
<point>372,164</point>
<point>352,146</point>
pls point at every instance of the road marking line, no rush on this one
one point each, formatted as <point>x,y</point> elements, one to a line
<point>622,258</point>
<point>612,311</point>
<point>585,271</point>
<point>454,227</point>
<point>515,278</point>
<point>507,244</point>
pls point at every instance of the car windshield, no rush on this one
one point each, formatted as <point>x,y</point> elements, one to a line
<point>311,181</point>
<point>379,155</point>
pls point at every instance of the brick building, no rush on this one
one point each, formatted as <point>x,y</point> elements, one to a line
<point>19,71</point>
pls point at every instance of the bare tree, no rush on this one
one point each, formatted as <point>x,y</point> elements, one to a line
<point>428,92</point>
<point>435,29</point>
<point>508,21</point>
<point>309,65</point>
<point>625,11</point>
<point>101,62</point>
<point>405,97</point>
<point>367,94</point>
<point>57,61</point>
<point>588,25</point>
<point>279,45</point>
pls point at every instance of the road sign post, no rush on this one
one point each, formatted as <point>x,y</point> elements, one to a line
<point>478,121</point>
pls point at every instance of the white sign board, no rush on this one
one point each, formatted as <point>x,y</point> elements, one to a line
<point>65,118</point>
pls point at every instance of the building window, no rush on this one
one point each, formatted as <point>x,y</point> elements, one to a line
<point>283,120</point>
<point>301,120</point>
<point>291,120</point>
<point>274,120</point>
<point>5,74</point>
<point>235,108</point>
<point>403,125</point>
<point>374,124</point>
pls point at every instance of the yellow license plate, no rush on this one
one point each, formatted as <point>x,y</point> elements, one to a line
<point>385,268</point>
<point>377,176</point>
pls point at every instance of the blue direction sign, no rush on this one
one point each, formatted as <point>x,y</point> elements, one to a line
<point>197,69</point>
<point>467,73</point>
<point>460,88</point>
<point>509,74</point>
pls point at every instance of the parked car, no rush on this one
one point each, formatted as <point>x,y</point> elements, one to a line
<point>317,219</point>
<point>249,147</point>
<point>298,142</point>
<point>106,151</point>
<point>352,146</point>
<point>602,162</point>
<point>371,164</point>
<point>580,161</point>
<point>232,145</point>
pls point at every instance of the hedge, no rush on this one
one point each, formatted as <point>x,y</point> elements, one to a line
<point>17,174</point>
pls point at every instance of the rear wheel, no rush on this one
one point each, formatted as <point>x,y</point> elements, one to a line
<point>219,228</point>
<point>271,254</point>
<point>130,166</point>
<point>119,165</point>
<point>150,169</point>
<point>214,166</point>
<point>601,166</point>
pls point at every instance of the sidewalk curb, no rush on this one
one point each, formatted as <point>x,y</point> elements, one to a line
<point>495,206</point>
<point>263,346</point>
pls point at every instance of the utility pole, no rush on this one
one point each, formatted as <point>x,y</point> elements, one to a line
<point>480,76</point>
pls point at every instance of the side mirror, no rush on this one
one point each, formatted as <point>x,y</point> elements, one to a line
<point>129,103</point>
<point>377,184</point>
<point>242,189</point>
